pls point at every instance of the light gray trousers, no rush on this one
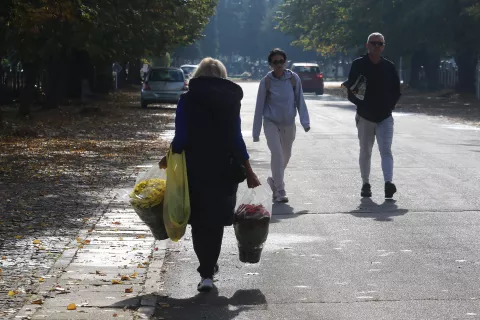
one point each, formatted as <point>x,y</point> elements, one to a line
<point>367,132</point>
<point>280,141</point>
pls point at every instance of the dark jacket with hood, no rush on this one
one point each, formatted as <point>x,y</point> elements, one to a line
<point>383,88</point>
<point>208,129</point>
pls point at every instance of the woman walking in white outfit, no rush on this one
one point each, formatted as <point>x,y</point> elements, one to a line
<point>279,97</point>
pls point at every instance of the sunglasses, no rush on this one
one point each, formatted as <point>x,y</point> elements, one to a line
<point>377,43</point>
<point>276,62</point>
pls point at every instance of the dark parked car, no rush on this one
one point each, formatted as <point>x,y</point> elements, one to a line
<point>312,78</point>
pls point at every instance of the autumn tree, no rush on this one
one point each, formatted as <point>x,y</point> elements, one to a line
<point>421,30</point>
<point>75,40</point>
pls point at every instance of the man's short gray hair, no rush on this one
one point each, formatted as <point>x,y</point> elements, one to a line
<point>375,34</point>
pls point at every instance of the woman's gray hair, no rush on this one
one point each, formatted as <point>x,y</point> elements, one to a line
<point>210,67</point>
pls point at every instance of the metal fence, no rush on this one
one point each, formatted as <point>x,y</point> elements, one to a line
<point>448,73</point>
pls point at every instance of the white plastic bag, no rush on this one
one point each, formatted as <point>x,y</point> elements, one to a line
<point>147,200</point>
<point>255,204</point>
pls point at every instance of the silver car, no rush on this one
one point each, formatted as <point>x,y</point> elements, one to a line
<point>188,69</point>
<point>163,85</point>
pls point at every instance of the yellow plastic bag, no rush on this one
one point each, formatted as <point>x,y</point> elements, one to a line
<point>176,205</point>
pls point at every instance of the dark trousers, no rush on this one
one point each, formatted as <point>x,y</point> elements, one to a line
<point>207,243</point>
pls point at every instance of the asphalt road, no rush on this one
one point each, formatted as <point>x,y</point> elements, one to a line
<point>332,255</point>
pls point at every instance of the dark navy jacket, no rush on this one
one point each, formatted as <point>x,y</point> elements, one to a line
<point>208,129</point>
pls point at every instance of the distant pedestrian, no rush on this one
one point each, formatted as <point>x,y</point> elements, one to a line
<point>374,87</point>
<point>279,97</point>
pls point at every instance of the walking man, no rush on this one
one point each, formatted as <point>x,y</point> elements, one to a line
<point>374,87</point>
<point>279,97</point>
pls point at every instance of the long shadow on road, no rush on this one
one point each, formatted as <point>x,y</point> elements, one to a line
<point>211,305</point>
<point>283,211</point>
<point>379,212</point>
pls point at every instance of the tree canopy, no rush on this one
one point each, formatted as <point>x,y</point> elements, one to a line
<point>424,30</point>
<point>58,35</point>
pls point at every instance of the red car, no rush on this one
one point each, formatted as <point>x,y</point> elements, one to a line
<point>312,78</point>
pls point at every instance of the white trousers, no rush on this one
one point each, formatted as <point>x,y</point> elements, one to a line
<point>280,141</point>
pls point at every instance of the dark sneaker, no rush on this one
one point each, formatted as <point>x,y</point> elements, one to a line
<point>390,190</point>
<point>205,285</point>
<point>366,191</point>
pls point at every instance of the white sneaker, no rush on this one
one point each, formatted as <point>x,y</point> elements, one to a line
<point>271,183</point>
<point>205,285</point>
<point>281,196</point>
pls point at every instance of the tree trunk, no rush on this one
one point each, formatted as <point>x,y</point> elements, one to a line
<point>134,72</point>
<point>466,62</point>
<point>417,61</point>
<point>27,93</point>
<point>103,81</point>
<point>432,64</point>
<point>52,88</point>
<point>56,90</point>
<point>75,73</point>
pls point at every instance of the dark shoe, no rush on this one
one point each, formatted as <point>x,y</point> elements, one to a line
<point>205,285</point>
<point>390,190</point>
<point>366,191</point>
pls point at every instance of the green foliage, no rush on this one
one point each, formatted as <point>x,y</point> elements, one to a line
<point>329,26</point>
<point>107,29</point>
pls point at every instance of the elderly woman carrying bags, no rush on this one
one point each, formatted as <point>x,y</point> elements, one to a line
<point>208,129</point>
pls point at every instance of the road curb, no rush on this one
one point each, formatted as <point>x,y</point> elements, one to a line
<point>99,222</point>
<point>28,310</point>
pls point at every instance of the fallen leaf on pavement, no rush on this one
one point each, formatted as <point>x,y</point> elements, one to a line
<point>121,238</point>
<point>79,240</point>
<point>72,306</point>
<point>134,275</point>
<point>125,278</point>
<point>37,241</point>
<point>41,280</point>
<point>4,258</point>
<point>140,266</point>
<point>116,282</point>
<point>116,222</point>
<point>86,242</point>
<point>12,293</point>
<point>128,290</point>
<point>89,230</point>
<point>140,236</point>
<point>115,315</point>
<point>38,301</point>
<point>18,237</point>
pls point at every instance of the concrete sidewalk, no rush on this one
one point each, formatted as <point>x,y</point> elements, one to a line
<point>109,271</point>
